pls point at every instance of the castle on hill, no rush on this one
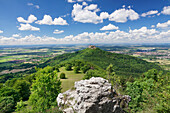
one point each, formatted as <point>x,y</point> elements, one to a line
<point>92,47</point>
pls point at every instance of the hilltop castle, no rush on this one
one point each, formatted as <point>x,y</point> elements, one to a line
<point>92,47</point>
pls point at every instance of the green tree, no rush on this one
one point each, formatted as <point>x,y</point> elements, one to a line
<point>63,76</point>
<point>8,99</point>
<point>8,91</point>
<point>68,67</point>
<point>22,86</point>
<point>20,105</point>
<point>10,83</point>
<point>109,70</point>
<point>85,68</point>
<point>94,73</point>
<point>1,85</point>
<point>76,69</point>
<point>7,104</point>
<point>45,89</point>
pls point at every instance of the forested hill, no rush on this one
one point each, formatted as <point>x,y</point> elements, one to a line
<point>123,64</point>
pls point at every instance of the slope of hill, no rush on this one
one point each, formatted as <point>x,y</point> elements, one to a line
<point>123,64</point>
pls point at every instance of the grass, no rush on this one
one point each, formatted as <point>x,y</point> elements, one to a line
<point>71,78</point>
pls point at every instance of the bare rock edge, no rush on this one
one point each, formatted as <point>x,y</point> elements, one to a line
<point>92,96</point>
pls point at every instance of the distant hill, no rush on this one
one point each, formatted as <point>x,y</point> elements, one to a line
<point>123,64</point>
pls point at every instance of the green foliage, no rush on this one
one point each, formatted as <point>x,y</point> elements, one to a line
<point>85,68</point>
<point>30,78</point>
<point>8,91</point>
<point>123,64</point>
<point>109,70</point>
<point>62,76</point>
<point>94,73</point>
<point>7,104</point>
<point>76,69</point>
<point>1,85</point>
<point>45,89</point>
<point>22,86</point>
<point>20,105</point>
<point>10,83</point>
<point>150,91</point>
<point>8,99</point>
<point>68,67</point>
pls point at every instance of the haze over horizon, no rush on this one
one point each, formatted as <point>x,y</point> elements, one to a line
<point>31,22</point>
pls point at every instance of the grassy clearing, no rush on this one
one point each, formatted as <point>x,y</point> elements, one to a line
<point>71,78</point>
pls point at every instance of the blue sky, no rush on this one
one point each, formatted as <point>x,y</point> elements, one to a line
<point>84,21</point>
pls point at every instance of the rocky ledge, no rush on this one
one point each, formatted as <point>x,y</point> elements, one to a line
<point>92,96</point>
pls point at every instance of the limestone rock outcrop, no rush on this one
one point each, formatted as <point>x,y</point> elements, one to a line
<point>92,96</point>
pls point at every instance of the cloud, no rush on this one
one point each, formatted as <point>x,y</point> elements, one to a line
<point>73,1</point>
<point>16,35</point>
<point>166,10</point>
<point>91,7</point>
<point>122,15</point>
<point>152,12</point>
<point>142,35</point>
<point>84,4</point>
<point>1,31</point>
<point>58,31</point>
<point>37,6</point>
<point>25,27</point>
<point>87,14</point>
<point>47,20</point>
<point>31,19</point>
<point>163,25</point>
<point>152,26</point>
<point>109,27</point>
<point>31,4</point>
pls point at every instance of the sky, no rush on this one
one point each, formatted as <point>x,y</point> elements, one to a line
<point>31,22</point>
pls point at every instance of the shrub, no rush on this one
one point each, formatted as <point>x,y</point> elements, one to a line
<point>68,67</point>
<point>62,76</point>
<point>7,104</point>
<point>76,69</point>
<point>45,89</point>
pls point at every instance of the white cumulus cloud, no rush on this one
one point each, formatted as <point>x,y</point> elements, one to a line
<point>91,7</point>
<point>25,27</point>
<point>166,10</point>
<point>87,14</point>
<point>163,25</point>
<point>1,31</point>
<point>152,12</point>
<point>122,15</point>
<point>47,20</point>
<point>84,3</point>
<point>109,27</point>
<point>16,35</point>
<point>58,31</point>
<point>142,35</point>
<point>31,19</point>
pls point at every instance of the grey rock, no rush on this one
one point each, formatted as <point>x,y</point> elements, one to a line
<point>92,96</point>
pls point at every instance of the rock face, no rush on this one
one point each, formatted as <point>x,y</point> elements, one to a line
<point>92,96</point>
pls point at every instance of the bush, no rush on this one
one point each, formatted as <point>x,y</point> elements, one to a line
<point>63,76</point>
<point>45,89</point>
<point>94,73</point>
<point>76,70</point>
<point>22,86</point>
<point>7,104</point>
<point>68,67</point>
<point>85,68</point>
